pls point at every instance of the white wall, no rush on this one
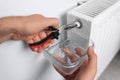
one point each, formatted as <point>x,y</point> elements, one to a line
<point>17,61</point>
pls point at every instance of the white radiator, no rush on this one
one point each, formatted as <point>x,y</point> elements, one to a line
<point>100,23</point>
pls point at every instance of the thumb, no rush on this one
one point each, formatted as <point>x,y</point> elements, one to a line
<point>92,57</point>
<point>51,22</point>
<point>92,60</point>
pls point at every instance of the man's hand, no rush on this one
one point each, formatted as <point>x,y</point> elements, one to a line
<point>31,29</point>
<point>85,72</point>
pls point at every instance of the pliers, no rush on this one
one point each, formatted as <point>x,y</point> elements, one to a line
<point>53,35</point>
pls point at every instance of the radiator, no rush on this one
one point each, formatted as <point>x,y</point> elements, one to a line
<point>100,21</point>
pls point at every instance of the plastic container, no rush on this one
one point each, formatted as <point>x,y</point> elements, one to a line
<point>61,61</point>
<point>65,53</point>
<point>68,61</point>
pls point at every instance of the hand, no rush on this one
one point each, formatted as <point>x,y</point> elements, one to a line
<point>31,29</point>
<point>85,72</point>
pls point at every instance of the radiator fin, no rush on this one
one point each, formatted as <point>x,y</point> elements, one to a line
<point>93,9</point>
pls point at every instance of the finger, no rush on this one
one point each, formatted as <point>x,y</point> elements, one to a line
<point>40,48</point>
<point>16,37</point>
<point>42,35</point>
<point>85,63</point>
<point>35,49</point>
<point>30,41</point>
<point>91,54</point>
<point>46,45</point>
<point>48,32</point>
<point>57,57</point>
<point>92,59</point>
<point>36,38</point>
<point>52,22</point>
<point>91,66</point>
<point>27,38</point>
<point>46,22</point>
<point>72,57</point>
<point>79,51</point>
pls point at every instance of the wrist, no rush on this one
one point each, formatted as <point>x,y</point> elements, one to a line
<point>11,24</point>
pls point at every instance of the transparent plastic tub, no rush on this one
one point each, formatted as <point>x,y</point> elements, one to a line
<point>67,56</point>
<point>58,57</point>
<point>69,52</point>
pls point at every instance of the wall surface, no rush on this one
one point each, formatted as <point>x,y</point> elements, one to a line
<point>17,61</point>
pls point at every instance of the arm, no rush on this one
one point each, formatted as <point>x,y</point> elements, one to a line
<point>7,27</point>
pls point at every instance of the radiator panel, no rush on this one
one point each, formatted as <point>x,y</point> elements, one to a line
<point>107,40</point>
<point>103,28</point>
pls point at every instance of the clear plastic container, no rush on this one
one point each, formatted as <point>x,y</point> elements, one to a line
<point>69,52</point>
<point>64,57</point>
<point>57,56</point>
